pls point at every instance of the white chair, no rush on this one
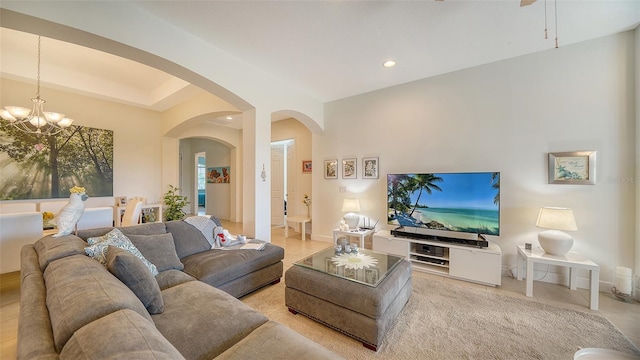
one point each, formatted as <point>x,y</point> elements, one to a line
<point>132,213</point>
<point>96,217</point>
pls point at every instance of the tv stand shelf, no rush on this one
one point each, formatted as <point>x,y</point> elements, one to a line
<point>480,265</point>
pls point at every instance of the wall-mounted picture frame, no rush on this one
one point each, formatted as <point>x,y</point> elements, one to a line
<point>349,168</point>
<point>306,166</point>
<point>121,201</point>
<point>370,168</point>
<point>331,169</point>
<point>573,167</point>
<point>219,175</point>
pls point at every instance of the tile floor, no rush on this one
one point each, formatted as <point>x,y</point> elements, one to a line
<point>625,316</point>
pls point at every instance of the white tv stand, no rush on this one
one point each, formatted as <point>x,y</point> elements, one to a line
<point>480,265</point>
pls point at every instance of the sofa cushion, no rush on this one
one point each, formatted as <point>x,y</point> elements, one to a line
<point>99,246</point>
<point>272,340</point>
<point>159,249</point>
<point>216,267</point>
<point>50,248</point>
<point>35,340</point>
<point>219,319</point>
<point>79,291</point>
<point>187,238</point>
<point>171,278</point>
<point>133,273</point>
<point>145,229</point>
<point>142,229</point>
<point>121,335</point>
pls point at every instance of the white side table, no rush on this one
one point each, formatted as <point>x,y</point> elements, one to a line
<point>302,220</point>
<point>572,260</point>
<point>361,234</point>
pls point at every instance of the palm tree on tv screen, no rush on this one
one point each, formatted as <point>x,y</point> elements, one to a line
<point>424,182</point>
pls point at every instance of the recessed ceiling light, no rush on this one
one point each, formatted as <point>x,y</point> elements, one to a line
<point>389,63</point>
<point>229,118</point>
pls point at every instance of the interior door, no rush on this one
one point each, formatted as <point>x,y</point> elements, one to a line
<point>277,185</point>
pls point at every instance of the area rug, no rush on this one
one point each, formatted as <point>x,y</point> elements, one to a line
<point>447,321</point>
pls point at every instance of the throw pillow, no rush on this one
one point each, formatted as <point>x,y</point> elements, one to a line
<point>132,272</point>
<point>159,249</point>
<point>99,245</point>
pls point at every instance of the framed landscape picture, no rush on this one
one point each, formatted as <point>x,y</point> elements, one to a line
<point>331,169</point>
<point>349,168</point>
<point>370,168</point>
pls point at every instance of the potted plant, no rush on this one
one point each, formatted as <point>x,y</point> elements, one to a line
<point>174,204</point>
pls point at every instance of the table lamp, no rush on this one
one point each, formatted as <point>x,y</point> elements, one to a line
<point>554,241</point>
<point>350,206</point>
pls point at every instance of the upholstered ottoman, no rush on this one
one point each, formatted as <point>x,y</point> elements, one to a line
<point>363,303</point>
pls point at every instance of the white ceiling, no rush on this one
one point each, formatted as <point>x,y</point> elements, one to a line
<point>328,49</point>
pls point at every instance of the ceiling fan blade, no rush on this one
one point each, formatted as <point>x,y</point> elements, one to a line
<point>526,2</point>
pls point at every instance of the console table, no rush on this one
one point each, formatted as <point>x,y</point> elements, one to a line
<point>572,260</point>
<point>302,220</point>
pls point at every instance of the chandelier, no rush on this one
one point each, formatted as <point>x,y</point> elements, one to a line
<point>35,120</point>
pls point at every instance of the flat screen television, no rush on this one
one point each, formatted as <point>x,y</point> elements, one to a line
<point>462,202</point>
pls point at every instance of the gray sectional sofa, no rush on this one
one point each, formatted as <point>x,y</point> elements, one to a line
<point>75,307</point>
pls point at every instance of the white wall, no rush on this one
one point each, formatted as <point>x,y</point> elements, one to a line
<point>505,117</point>
<point>137,141</point>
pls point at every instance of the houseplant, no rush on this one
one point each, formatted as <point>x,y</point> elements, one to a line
<point>174,203</point>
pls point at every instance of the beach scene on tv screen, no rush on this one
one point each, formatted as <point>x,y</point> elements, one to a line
<point>464,202</point>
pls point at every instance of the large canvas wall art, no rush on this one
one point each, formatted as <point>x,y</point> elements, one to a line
<point>47,167</point>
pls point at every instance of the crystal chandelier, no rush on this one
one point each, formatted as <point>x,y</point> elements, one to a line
<point>36,120</point>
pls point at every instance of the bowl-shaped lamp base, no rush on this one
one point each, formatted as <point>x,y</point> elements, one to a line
<point>555,242</point>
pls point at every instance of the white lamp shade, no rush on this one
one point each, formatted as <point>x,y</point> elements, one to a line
<point>349,206</point>
<point>554,241</point>
<point>556,219</point>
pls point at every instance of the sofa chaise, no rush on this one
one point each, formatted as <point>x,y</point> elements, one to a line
<point>111,306</point>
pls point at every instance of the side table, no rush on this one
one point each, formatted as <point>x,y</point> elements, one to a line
<point>572,260</point>
<point>361,234</point>
<point>302,220</point>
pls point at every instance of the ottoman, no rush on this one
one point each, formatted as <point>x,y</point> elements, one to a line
<point>354,308</point>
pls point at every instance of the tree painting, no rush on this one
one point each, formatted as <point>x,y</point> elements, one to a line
<point>35,166</point>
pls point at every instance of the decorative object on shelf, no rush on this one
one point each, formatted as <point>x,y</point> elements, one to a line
<point>370,168</point>
<point>175,203</point>
<point>47,222</point>
<point>121,201</point>
<point>623,284</point>
<point>331,169</point>
<point>69,215</point>
<point>306,166</point>
<point>307,201</point>
<point>263,174</point>
<point>148,215</point>
<point>349,168</point>
<point>576,167</point>
<point>554,241</point>
<point>350,206</point>
<point>36,120</point>
<point>343,225</point>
